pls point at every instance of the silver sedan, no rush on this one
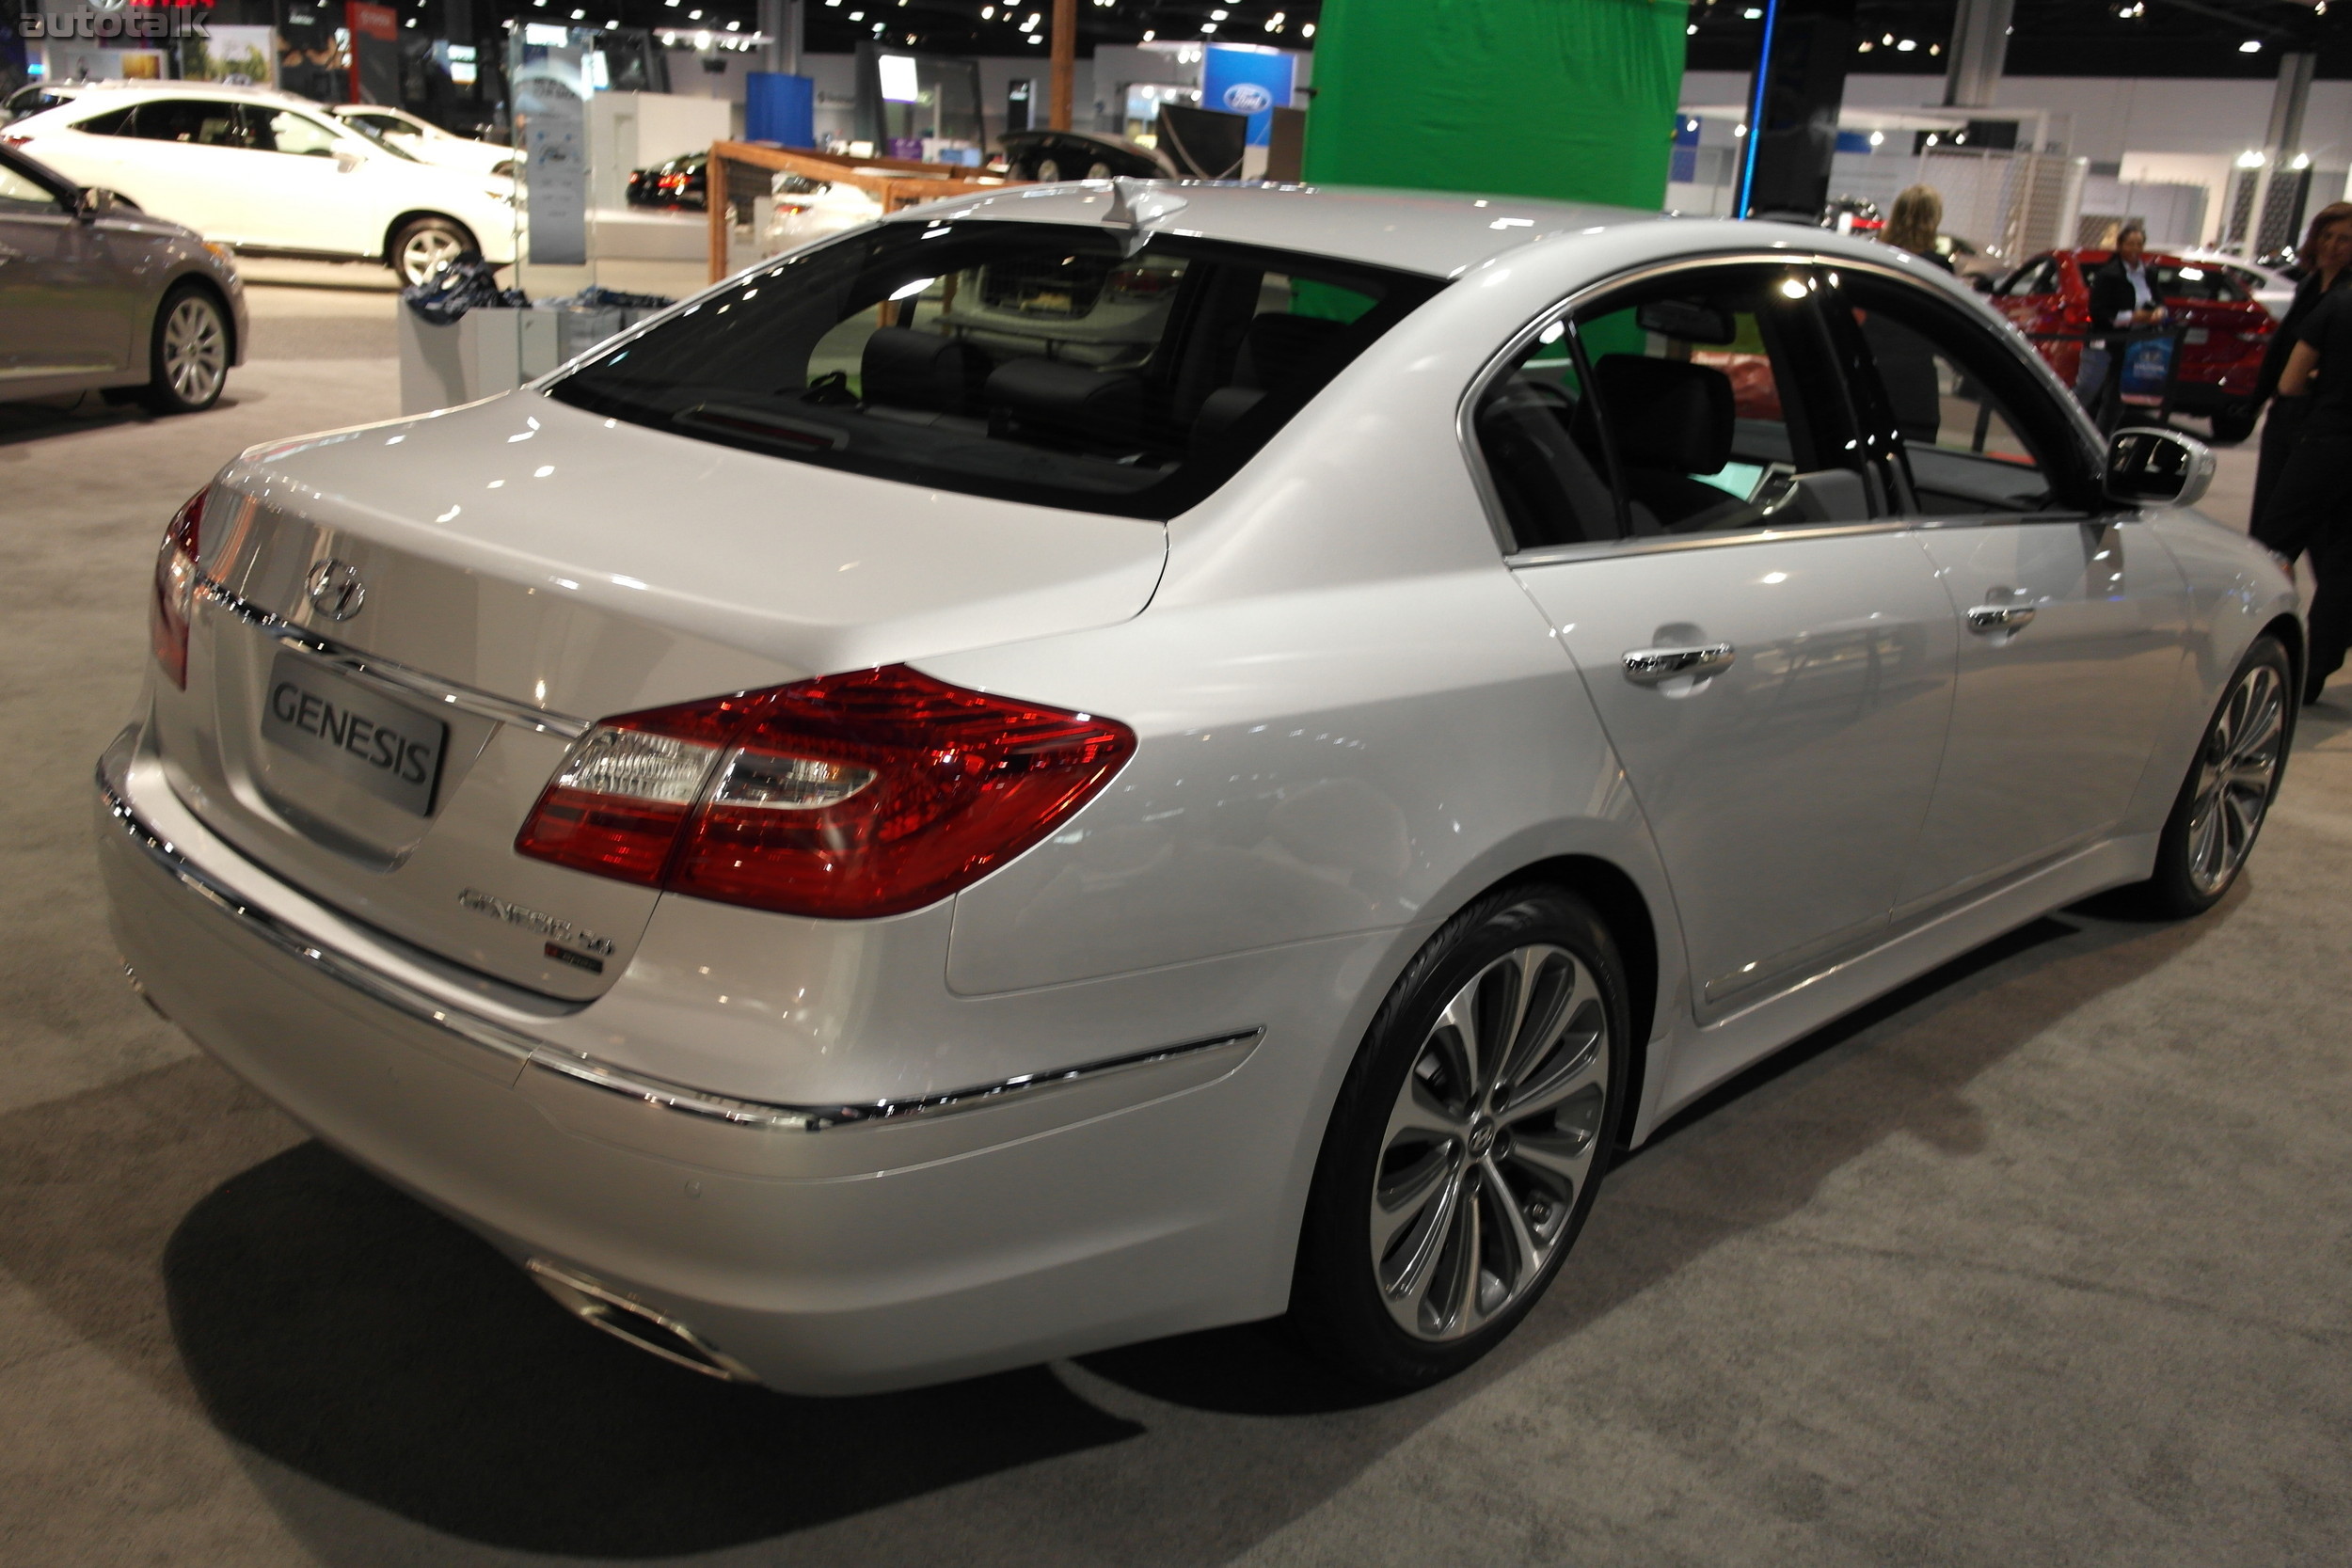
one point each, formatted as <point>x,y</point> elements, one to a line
<point>860,850</point>
<point>96,295</point>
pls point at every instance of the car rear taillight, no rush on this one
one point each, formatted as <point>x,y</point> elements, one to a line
<point>175,589</point>
<point>848,797</point>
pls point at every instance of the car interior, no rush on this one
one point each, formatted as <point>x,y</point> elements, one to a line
<point>1717,408</point>
<point>1016,356</point>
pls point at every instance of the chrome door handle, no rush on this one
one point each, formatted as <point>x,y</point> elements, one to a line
<point>1987,618</point>
<point>1649,666</point>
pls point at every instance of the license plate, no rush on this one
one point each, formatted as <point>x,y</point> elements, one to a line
<point>355,732</point>
<point>2196,335</point>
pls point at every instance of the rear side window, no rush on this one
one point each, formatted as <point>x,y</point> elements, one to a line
<point>113,123</point>
<point>2192,281</point>
<point>1029,362</point>
<point>1722,403</point>
<point>199,122</point>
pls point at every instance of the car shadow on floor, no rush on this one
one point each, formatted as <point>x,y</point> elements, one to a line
<point>71,415</point>
<point>375,1359</point>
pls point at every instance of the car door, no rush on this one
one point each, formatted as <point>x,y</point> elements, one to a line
<point>188,158</point>
<point>1772,659</point>
<point>2075,615</point>
<point>65,306</point>
<point>317,180</point>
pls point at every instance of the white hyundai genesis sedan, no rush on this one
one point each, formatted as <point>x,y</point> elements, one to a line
<point>1107,759</point>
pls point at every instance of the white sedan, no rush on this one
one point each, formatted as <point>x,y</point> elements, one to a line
<point>2272,288</point>
<point>861,852</point>
<point>425,141</point>
<point>271,174</point>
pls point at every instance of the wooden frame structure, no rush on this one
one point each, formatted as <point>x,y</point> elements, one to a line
<point>892,182</point>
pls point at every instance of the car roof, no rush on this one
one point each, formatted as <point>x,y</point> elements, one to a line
<point>1440,233</point>
<point>127,90</point>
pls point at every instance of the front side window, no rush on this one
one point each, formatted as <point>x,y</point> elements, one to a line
<point>1978,434</point>
<point>1718,401</point>
<point>285,132</point>
<point>1029,362</point>
<point>2038,277</point>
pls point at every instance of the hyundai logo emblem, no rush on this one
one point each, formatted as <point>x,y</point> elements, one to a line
<point>336,591</point>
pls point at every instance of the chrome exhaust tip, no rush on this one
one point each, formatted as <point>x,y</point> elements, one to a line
<point>652,1331</point>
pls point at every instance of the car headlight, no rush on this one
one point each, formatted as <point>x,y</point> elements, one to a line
<point>227,256</point>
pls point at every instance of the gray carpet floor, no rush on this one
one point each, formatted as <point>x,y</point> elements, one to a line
<point>2044,1259</point>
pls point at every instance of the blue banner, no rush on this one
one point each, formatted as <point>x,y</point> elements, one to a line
<point>1246,79</point>
<point>2147,371</point>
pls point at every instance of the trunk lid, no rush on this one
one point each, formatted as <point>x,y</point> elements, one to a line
<point>523,568</point>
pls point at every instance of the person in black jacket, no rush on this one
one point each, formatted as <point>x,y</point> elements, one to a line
<point>2123,296</point>
<point>2312,507</point>
<point>2326,256</point>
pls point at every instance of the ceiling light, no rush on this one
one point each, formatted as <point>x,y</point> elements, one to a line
<point>2251,46</point>
<point>1308,31</point>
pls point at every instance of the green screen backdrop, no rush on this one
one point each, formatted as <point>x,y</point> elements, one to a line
<point>1569,99</point>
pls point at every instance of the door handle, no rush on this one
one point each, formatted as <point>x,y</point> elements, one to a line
<point>1987,619</point>
<point>1649,666</point>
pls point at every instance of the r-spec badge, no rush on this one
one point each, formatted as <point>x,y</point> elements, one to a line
<point>532,920</point>
<point>335,589</point>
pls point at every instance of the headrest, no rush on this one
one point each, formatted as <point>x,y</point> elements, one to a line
<point>1069,401</point>
<point>1277,348</point>
<point>906,369</point>
<point>1666,413</point>
<point>1220,411</point>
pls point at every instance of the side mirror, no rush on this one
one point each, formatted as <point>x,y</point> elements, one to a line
<point>93,202</point>
<point>2159,468</point>
<point>348,163</point>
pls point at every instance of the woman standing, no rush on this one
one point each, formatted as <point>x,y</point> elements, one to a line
<point>2311,508</point>
<point>2328,262</point>
<point>1919,216</point>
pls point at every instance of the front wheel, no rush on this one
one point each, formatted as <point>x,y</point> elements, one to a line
<point>425,245</point>
<point>2232,781</point>
<point>188,354</point>
<point>1467,1141</point>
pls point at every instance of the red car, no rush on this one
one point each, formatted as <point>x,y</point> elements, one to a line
<point>2221,351</point>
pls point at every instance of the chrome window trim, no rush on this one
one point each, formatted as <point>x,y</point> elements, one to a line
<point>2004,330</point>
<point>390,677</point>
<point>522,1050</point>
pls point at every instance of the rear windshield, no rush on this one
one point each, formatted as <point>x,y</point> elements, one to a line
<point>1032,362</point>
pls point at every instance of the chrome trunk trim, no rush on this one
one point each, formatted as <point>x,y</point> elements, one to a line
<point>390,677</point>
<point>523,1050</point>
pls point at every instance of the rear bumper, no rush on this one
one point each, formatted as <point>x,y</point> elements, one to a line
<point>1146,1197</point>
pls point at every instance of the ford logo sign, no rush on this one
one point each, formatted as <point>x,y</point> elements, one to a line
<point>1248,98</point>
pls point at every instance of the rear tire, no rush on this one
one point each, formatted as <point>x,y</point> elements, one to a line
<point>187,354</point>
<point>1467,1142</point>
<point>425,245</point>
<point>2241,758</point>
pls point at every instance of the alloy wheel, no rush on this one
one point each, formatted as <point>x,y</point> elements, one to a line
<point>1490,1142</point>
<point>195,350</point>
<point>2236,771</point>
<point>426,252</point>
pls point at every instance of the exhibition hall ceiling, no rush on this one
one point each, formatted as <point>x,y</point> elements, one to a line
<point>2049,38</point>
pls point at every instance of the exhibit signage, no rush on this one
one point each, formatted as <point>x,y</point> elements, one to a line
<point>1243,79</point>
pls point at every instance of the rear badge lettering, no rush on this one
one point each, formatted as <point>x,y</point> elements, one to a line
<point>546,926</point>
<point>578,960</point>
<point>362,736</point>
